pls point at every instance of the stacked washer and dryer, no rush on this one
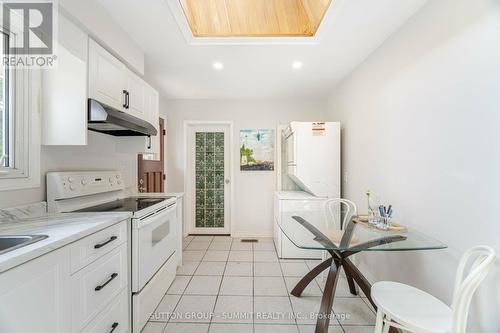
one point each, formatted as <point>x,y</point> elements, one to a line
<point>309,175</point>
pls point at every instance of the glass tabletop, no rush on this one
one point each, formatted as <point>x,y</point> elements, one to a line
<point>313,230</point>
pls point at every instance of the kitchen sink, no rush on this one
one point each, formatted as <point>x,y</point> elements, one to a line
<point>14,242</point>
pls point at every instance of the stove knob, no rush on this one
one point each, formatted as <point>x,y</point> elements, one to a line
<point>84,182</point>
<point>72,187</point>
<point>71,179</point>
<point>119,182</point>
<point>117,176</point>
<point>111,179</point>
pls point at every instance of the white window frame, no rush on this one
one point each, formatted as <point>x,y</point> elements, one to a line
<point>24,121</point>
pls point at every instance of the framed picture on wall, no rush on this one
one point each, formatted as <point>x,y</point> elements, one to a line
<point>257,150</point>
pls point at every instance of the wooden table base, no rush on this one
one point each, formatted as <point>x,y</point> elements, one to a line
<point>352,274</point>
<point>339,259</point>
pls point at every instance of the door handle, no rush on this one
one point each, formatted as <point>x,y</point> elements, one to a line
<point>124,99</point>
<point>113,327</point>
<point>111,278</point>
<point>98,246</point>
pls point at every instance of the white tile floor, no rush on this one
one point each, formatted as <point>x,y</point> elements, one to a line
<point>225,285</point>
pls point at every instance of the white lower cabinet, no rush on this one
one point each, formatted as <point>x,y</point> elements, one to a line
<point>91,248</point>
<point>36,297</point>
<point>113,318</point>
<point>96,285</point>
<point>45,296</point>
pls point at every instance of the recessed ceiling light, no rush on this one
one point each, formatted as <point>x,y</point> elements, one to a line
<point>297,65</point>
<point>218,66</point>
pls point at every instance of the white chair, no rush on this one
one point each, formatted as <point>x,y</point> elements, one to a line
<point>338,212</point>
<point>413,310</point>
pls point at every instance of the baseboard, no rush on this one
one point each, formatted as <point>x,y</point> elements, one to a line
<point>249,235</point>
<point>366,272</point>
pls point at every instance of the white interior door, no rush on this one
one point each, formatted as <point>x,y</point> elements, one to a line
<point>208,178</point>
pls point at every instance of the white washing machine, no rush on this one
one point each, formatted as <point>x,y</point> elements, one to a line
<point>291,203</point>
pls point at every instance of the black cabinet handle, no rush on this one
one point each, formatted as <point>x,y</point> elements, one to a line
<point>128,100</point>
<point>149,142</point>
<point>113,327</point>
<point>98,246</point>
<point>113,276</point>
<point>125,102</point>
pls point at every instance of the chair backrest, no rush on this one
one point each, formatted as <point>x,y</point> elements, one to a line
<point>339,212</point>
<point>472,269</point>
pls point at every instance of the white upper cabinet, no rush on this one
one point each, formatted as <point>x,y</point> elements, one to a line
<point>148,146</point>
<point>113,84</point>
<point>64,90</point>
<point>106,77</point>
<point>87,70</point>
<point>152,148</point>
<point>136,89</point>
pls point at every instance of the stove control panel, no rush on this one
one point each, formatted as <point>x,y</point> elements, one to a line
<point>67,185</point>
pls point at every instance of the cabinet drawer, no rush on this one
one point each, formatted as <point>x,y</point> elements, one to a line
<point>115,316</point>
<point>96,285</point>
<point>95,246</point>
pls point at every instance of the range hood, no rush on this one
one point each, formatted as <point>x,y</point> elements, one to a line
<point>107,120</point>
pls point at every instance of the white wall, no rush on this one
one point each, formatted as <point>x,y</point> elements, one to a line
<point>94,19</point>
<point>253,197</point>
<point>99,154</point>
<point>421,128</point>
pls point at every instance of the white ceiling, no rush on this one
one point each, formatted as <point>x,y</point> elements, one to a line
<point>184,71</point>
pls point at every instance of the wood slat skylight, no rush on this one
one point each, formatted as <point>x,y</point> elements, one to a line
<point>254,18</point>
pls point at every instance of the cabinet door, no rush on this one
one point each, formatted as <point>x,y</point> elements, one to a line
<point>64,89</point>
<point>64,101</point>
<point>152,148</point>
<point>35,297</point>
<point>106,77</point>
<point>136,89</point>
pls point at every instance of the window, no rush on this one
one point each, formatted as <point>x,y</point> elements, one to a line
<point>4,107</point>
<point>19,122</point>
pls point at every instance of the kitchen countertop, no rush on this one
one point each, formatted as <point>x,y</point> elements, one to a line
<point>62,230</point>
<point>159,195</point>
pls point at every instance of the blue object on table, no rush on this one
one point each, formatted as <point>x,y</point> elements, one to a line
<point>381,210</point>
<point>389,211</point>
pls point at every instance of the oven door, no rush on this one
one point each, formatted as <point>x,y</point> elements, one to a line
<point>153,242</point>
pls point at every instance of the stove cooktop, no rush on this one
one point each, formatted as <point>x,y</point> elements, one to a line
<point>132,204</point>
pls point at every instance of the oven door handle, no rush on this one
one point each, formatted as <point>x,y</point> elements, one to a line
<point>154,217</point>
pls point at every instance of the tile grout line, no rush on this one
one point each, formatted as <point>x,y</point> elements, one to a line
<point>288,294</point>
<point>253,289</point>
<point>220,286</point>
<point>178,301</point>
<point>187,285</point>
<point>253,276</point>
<point>184,291</point>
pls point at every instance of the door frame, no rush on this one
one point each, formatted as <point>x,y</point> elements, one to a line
<point>189,181</point>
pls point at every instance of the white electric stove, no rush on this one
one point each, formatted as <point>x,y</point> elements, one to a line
<point>153,231</point>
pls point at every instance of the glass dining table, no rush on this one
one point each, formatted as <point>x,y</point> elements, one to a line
<point>314,232</point>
